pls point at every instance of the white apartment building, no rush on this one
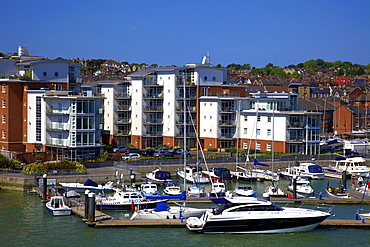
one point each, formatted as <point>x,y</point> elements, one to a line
<point>147,110</point>
<point>66,126</point>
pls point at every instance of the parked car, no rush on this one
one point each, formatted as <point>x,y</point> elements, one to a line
<point>148,152</point>
<point>165,149</point>
<point>131,156</point>
<point>161,153</point>
<point>181,152</point>
<point>133,150</point>
<point>121,149</point>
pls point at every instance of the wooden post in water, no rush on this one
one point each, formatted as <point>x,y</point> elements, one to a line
<point>86,203</point>
<point>344,176</point>
<point>44,187</point>
<point>91,208</point>
<point>294,187</point>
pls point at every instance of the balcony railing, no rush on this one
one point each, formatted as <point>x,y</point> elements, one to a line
<point>153,121</point>
<point>153,108</point>
<point>122,96</point>
<point>58,142</point>
<point>58,126</point>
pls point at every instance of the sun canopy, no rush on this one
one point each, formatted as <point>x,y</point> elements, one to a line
<point>256,163</point>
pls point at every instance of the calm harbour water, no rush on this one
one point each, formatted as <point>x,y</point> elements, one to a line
<point>25,222</point>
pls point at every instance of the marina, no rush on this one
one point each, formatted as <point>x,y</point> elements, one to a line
<point>35,223</point>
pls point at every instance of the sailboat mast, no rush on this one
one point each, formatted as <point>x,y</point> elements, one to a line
<point>184,148</point>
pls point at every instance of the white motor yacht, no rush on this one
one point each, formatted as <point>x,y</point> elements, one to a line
<point>251,215</point>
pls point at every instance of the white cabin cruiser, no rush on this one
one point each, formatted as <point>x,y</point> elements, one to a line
<point>310,170</point>
<point>353,166</point>
<point>252,215</point>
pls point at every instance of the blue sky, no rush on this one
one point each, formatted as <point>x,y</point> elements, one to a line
<point>173,32</point>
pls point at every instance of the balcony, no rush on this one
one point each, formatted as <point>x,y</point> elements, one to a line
<point>123,121</point>
<point>122,96</point>
<point>58,126</point>
<point>123,133</point>
<point>59,111</point>
<point>123,108</point>
<point>153,108</point>
<point>153,121</point>
<point>153,134</point>
<point>223,123</point>
<point>58,142</point>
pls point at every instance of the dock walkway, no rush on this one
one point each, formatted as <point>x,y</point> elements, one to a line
<point>175,223</point>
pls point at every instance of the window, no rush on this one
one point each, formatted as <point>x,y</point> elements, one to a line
<point>56,73</point>
<point>269,119</point>
<point>245,118</point>
<point>3,89</point>
<point>268,147</point>
<point>245,131</point>
<point>245,145</point>
<point>258,146</point>
<point>45,73</point>
<point>258,132</point>
<point>3,134</point>
<point>268,132</point>
<point>3,103</point>
<point>3,118</point>
<point>258,118</point>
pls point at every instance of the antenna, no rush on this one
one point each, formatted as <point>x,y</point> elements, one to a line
<point>206,59</point>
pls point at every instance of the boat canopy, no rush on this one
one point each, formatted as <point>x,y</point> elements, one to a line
<point>256,163</point>
<point>162,175</point>
<point>89,182</point>
<point>182,196</point>
<point>161,206</point>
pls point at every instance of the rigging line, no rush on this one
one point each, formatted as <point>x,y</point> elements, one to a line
<point>199,144</point>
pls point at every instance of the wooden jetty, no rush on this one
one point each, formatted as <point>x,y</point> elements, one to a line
<point>176,223</point>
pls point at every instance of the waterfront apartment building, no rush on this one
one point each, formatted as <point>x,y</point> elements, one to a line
<point>44,110</point>
<point>147,110</point>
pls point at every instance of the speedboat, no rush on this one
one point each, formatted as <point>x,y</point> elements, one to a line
<point>172,188</point>
<point>57,207</point>
<point>88,185</point>
<point>303,185</point>
<point>125,200</point>
<point>353,166</point>
<point>218,174</point>
<point>193,175</point>
<point>149,189</point>
<point>159,176</point>
<point>245,191</point>
<point>165,211</point>
<point>218,190</point>
<point>252,215</point>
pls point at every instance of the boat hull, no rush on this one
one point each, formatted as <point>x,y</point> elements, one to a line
<point>58,212</point>
<point>270,225</point>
